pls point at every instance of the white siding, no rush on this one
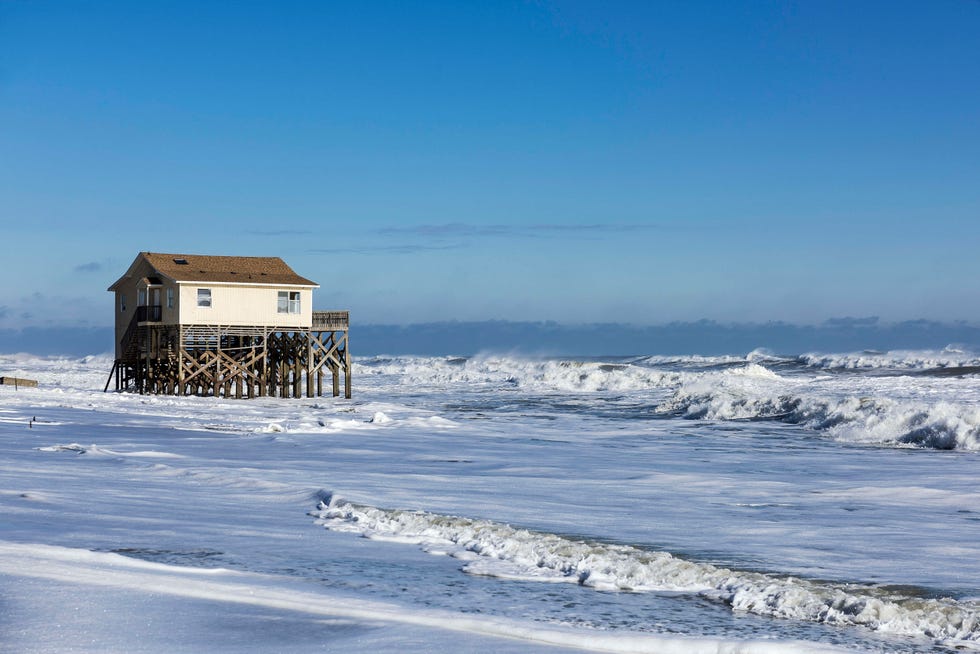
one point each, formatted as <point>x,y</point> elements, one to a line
<point>242,305</point>
<point>129,287</point>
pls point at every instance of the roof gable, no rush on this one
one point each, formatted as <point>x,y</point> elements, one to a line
<point>220,269</point>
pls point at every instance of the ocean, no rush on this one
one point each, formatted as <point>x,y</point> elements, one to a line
<point>751,502</point>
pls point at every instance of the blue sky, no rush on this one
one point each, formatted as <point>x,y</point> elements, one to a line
<point>636,162</point>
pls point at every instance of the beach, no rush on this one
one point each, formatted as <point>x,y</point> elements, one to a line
<point>750,502</point>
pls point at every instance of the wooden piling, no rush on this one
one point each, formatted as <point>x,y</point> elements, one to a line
<point>235,361</point>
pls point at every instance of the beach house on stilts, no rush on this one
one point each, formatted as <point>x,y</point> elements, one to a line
<point>191,324</point>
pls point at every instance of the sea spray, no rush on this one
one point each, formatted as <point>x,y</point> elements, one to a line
<point>527,374</point>
<point>865,408</point>
<point>753,392</point>
<point>898,360</point>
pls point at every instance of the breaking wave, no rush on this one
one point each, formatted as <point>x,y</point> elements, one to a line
<point>88,372</point>
<point>530,374</point>
<point>942,426</point>
<point>949,358</point>
<point>756,393</point>
<point>495,549</point>
<point>894,410</point>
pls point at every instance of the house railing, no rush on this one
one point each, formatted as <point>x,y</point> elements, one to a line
<point>129,346</point>
<point>151,313</point>
<point>331,321</point>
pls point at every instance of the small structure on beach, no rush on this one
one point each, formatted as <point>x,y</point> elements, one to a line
<point>18,382</point>
<point>220,325</point>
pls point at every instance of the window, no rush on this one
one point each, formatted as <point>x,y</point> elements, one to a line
<point>170,298</point>
<point>122,302</point>
<point>288,302</point>
<point>204,297</point>
<point>141,297</point>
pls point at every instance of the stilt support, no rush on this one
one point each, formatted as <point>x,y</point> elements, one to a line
<point>235,361</point>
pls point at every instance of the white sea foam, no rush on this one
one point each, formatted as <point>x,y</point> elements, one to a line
<point>739,388</point>
<point>570,454</point>
<point>499,550</point>
<point>88,372</point>
<point>531,374</point>
<point>753,392</point>
<point>949,357</point>
<point>221,588</point>
<point>758,355</point>
<point>714,388</point>
<point>95,450</point>
<point>691,360</point>
<point>380,418</point>
<point>861,420</point>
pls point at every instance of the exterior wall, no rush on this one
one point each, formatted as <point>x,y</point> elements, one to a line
<point>123,317</point>
<point>129,288</point>
<point>169,316</point>
<point>232,304</point>
<point>242,305</point>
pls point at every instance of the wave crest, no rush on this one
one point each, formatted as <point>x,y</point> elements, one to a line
<point>904,360</point>
<point>496,549</point>
<point>540,375</point>
<point>867,420</point>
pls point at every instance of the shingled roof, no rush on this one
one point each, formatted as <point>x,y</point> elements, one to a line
<point>221,269</point>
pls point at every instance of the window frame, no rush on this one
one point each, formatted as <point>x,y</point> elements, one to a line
<point>288,302</point>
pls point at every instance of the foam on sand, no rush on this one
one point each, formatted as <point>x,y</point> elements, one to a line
<point>111,570</point>
<point>95,450</point>
<point>495,549</point>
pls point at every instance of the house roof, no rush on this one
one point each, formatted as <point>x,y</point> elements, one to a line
<point>219,269</point>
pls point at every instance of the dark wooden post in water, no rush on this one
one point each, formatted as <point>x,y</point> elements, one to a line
<point>223,359</point>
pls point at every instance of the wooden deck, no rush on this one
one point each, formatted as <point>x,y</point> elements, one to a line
<point>331,321</point>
